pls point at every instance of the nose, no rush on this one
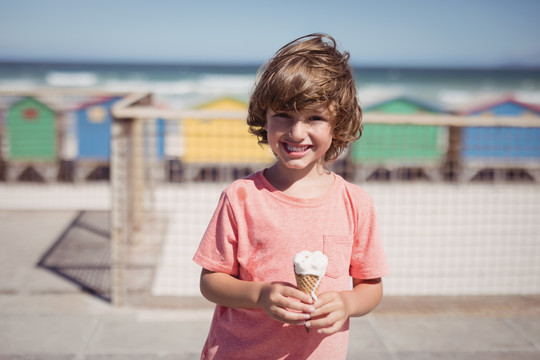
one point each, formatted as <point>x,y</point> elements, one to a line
<point>298,130</point>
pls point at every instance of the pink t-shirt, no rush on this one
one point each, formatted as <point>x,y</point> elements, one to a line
<point>254,234</point>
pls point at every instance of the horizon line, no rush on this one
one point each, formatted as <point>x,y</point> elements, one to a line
<point>238,64</point>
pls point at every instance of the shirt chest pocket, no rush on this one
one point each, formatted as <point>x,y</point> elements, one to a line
<point>338,249</point>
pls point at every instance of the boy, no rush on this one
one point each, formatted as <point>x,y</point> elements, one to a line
<point>304,107</point>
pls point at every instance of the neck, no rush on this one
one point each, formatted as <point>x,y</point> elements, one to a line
<point>308,182</point>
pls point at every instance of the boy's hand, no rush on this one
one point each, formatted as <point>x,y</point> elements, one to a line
<point>330,313</point>
<point>334,308</point>
<point>284,303</point>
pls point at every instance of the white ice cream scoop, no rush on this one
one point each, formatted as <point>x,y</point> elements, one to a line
<point>310,263</point>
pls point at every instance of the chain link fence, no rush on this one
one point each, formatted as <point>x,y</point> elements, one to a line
<point>457,195</point>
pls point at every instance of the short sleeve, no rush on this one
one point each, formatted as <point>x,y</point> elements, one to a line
<point>218,248</point>
<point>368,260</point>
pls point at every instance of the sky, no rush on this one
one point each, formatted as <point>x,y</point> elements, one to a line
<point>418,33</point>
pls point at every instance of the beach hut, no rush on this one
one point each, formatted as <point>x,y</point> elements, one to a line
<point>93,126</point>
<point>486,151</point>
<point>93,122</point>
<point>32,138</point>
<point>31,131</point>
<point>93,135</point>
<point>404,149</point>
<point>220,147</point>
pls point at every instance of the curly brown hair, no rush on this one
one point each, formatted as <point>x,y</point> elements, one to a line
<point>309,71</point>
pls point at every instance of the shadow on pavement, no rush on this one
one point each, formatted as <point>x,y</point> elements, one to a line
<point>82,254</point>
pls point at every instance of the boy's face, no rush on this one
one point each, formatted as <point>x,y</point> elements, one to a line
<point>300,138</point>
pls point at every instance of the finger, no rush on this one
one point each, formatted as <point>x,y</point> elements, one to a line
<point>325,322</point>
<point>326,298</point>
<point>322,308</point>
<point>290,317</point>
<point>326,325</point>
<point>297,294</point>
<point>296,306</point>
<point>327,330</point>
<point>332,329</point>
<point>292,305</point>
<point>296,300</point>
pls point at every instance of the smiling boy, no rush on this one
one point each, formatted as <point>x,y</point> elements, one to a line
<point>304,107</point>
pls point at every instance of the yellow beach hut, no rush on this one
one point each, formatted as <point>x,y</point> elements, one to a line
<point>222,143</point>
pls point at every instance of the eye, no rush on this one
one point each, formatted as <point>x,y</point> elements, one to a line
<point>282,115</point>
<point>317,118</point>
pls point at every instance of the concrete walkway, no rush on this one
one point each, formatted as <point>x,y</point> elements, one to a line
<point>44,316</point>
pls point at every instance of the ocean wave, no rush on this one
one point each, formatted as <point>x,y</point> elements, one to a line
<point>210,84</point>
<point>76,79</point>
<point>530,97</point>
<point>188,86</point>
<point>374,93</point>
<point>17,84</point>
<point>159,87</point>
<point>230,83</point>
<point>455,97</point>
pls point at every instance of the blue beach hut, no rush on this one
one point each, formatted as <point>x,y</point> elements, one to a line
<point>94,122</point>
<point>504,146</point>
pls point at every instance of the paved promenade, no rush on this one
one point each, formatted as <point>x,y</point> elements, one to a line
<point>44,316</point>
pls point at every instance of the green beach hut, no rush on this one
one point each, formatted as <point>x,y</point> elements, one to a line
<point>31,131</point>
<point>400,145</point>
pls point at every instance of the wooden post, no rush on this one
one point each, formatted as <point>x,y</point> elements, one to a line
<point>3,167</point>
<point>452,165</point>
<point>120,205</point>
<point>127,186</point>
<point>137,167</point>
<point>137,179</point>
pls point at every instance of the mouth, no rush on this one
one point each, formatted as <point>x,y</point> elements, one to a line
<point>298,149</point>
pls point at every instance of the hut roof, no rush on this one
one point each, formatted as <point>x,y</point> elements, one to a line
<point>224,103</point>
<point>418,103</point>
<point>503,101</point>
<point>94,102</point>
<point>31,100</point>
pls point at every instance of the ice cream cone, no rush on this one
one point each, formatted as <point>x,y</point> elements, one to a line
<point>309,269</point>
<point>308,283</point>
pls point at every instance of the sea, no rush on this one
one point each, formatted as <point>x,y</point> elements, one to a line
<point>189,85</point>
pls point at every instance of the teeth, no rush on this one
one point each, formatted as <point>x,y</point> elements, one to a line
<point>296,148</point>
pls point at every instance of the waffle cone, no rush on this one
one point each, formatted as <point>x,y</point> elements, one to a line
<point>306,283</point>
